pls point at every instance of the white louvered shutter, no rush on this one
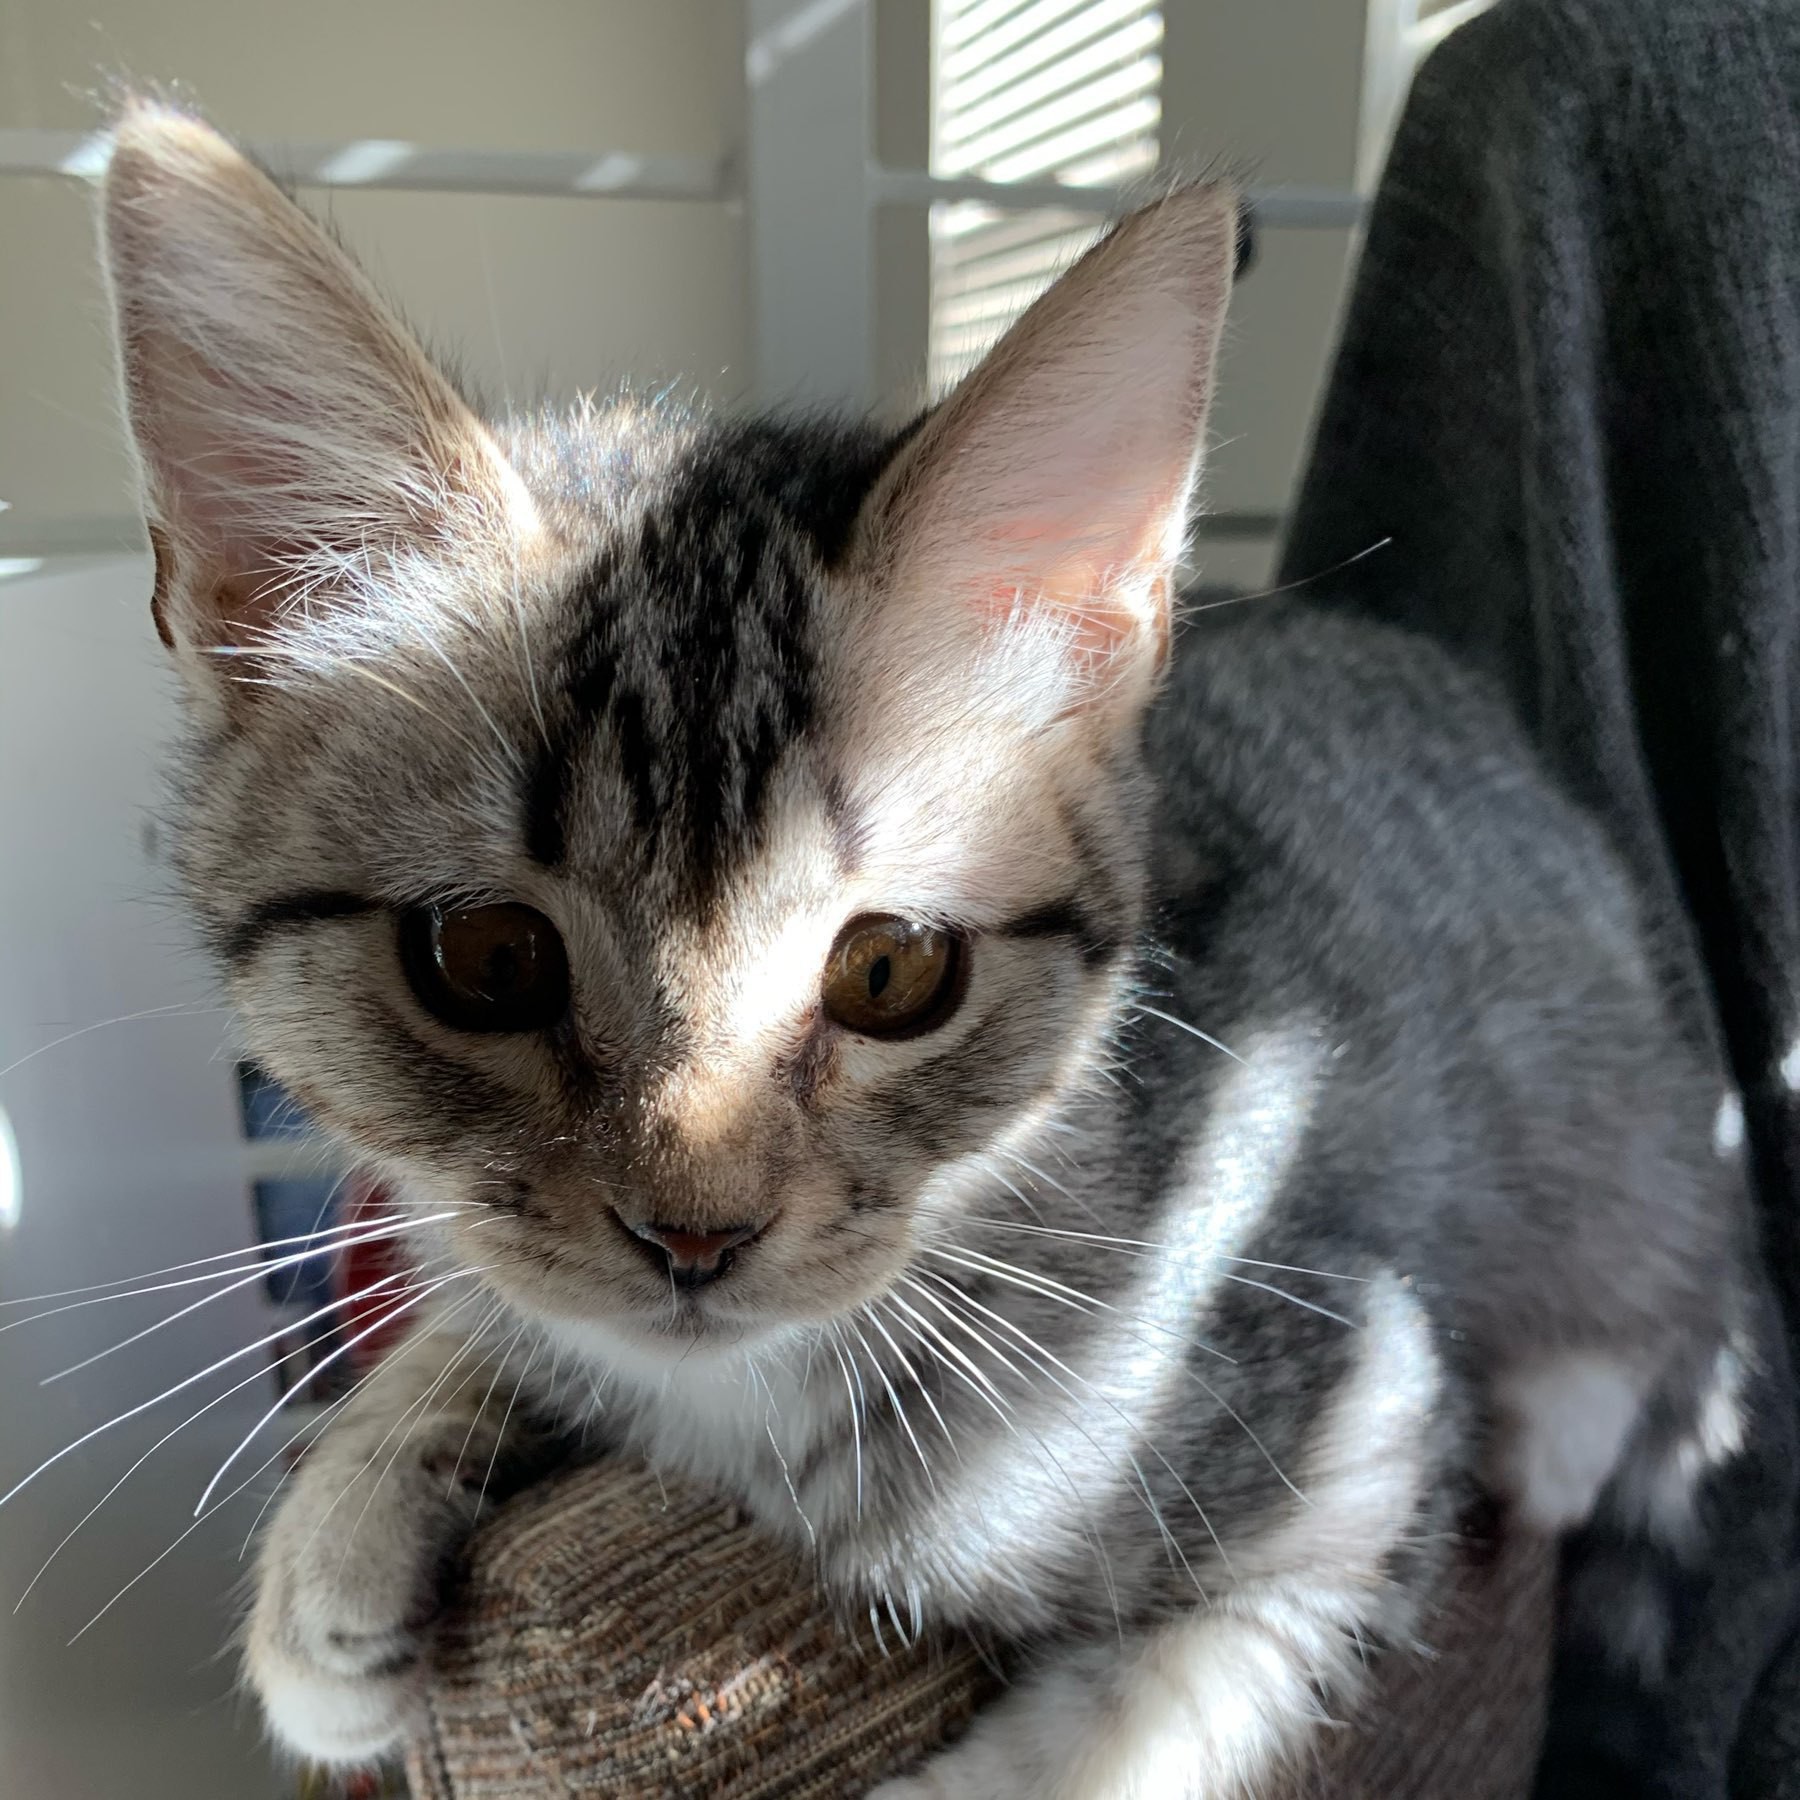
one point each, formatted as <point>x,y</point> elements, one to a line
<point>1029,90</point>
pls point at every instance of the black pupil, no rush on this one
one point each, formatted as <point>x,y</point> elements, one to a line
<point>486,968</point>
<point>502,972</point>
<point>881,972</point>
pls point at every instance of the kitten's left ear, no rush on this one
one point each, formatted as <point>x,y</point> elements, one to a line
<point>293,436</point>
<point>1054,485</point>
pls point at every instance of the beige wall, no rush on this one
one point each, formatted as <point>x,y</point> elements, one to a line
<point>540,297</point>
<point>536,297</point>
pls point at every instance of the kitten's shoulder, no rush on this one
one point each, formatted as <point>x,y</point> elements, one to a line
<point>1368,760</point>
<point>1309,674</point>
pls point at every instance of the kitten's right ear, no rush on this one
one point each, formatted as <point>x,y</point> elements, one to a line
<point>1052,488</point>
<point>295,440</point>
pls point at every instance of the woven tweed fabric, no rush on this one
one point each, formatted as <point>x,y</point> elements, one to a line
<point>614,1639</point>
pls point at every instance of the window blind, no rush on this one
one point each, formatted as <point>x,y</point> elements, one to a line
<point>1029,90</point>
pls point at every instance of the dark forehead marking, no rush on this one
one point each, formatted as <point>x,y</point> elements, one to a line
<point>814,473</point>
<point>848,833</point>
<point>694,659</point>
<point>582,694</point>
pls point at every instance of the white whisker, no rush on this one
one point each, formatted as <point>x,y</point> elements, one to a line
<point>260,1272</point>
<point>1092,1531</point>
<point>1287,587</point>
<point>1144,1244</point>
<point>917,1379</point>
<point>420,1407</point>
<point>1051,1289</point>
<point>369,1461</point>
<point>217,1400</point>
<point>899,1410</point>
<point>971,1376</point>
<point>1032,1345</point>
<point>179,1009</point>
<point>418,1295</point>
<point>480,1411</point>
<point>169,1393</point>
<point>182,1537</point>
<point>855,1418</point>
<point>781,1460</point>
<point>1191,1030</point>
<point>1324,1312</point>
<point>991,1265</point>
<point>500,1435</point>
<point>315,1424</point>
<point>322,1240</point>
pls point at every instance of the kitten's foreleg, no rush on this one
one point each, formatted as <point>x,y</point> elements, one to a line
<point>1199,1709</point>
<point>1213,1703</point>
<point>349,1570</point>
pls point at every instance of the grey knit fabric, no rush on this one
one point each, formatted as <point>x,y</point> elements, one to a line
<point>1569,392</point>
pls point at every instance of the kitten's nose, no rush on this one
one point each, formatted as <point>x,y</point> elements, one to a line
<point>695,1257</point>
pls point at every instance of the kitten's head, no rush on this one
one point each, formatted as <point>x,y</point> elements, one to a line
<point>682,847</point>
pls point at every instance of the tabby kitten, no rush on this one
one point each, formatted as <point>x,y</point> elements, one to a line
<point>1093,1138</point>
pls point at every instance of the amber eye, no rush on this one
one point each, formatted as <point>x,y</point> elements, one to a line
<point>486,968</point>
<point>888,977</point>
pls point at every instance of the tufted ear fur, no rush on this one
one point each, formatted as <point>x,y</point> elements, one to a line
<point>1053,487</point>
<point>294,439</point>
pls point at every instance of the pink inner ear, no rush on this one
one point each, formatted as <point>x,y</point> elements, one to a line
<point>1107,580</point>
<point>292,432</point>
<point>1097,623</point>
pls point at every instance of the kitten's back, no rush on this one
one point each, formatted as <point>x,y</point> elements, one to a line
<point>1350,819</point>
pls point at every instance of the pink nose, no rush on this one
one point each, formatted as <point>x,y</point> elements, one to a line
<point>695,1257</point>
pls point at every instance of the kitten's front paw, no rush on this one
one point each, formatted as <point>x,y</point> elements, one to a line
<point>909,1787</point>
<point>938,1778</point>
<point>348,1584</point>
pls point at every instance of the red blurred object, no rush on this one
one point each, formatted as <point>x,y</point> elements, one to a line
<point>361,1267</point>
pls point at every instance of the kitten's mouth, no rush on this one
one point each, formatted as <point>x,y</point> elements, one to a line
<point>683,1323</point>
<point>691,1322</point>
<point>696,1324</point>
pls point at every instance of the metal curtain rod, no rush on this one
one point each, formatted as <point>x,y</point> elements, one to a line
<point>395,166</point>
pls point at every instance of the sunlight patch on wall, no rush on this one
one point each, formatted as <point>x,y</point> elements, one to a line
<point>11,1181</point>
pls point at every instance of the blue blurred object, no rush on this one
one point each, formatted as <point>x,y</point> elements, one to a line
<point>288,1207</point>
<point>269,1110</point>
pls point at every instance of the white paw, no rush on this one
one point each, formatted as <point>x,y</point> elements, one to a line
<point>1566,1420</point>
<point>910,1787</point>
<point>348,1585</point>
<point>945,1776</point>
<point>347,1720</point>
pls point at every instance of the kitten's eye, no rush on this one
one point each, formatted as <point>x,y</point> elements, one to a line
<point>888,977</point>
<point>486,968</point>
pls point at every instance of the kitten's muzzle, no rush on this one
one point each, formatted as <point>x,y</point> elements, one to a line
<point>693,1257</point>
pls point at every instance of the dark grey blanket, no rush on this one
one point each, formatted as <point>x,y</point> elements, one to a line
<point>1569,392</point>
